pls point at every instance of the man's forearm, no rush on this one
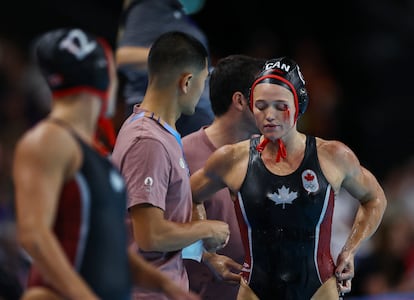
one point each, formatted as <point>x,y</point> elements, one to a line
<point>130,55</point>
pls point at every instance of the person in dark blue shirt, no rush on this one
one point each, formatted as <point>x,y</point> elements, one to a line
<point>143,22</point>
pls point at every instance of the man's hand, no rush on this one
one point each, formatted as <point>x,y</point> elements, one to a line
<point>220,236</point>
<point>223,267</point>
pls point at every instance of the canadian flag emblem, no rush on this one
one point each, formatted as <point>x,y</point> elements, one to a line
<point>310,181</point>
<point>283,196</point>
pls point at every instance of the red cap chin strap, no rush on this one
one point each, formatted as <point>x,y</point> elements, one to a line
<point>281,152</point>
<point>262,145</point>
<point>105,136</point>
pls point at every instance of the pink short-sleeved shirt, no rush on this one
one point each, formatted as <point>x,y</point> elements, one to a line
<point>151,160</point>
<point>218,207</point>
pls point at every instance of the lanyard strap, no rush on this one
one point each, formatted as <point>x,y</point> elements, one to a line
<point>165,125</point>
<point>158,119</point>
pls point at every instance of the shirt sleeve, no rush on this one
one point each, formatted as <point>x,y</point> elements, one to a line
<point>147,169</point>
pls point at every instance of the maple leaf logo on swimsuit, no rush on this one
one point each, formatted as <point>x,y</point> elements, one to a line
<point>284,196</point>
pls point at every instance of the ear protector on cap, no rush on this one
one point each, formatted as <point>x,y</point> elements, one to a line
<point>72,61</point>
<point>285,72</point>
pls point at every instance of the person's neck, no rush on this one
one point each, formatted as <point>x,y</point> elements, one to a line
<point>163,106</point>
<point>225,130</point>
<point>80,114</point>
<point>293,141</point>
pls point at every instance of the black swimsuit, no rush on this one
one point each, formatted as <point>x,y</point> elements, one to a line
<point>90,226</point>
<point>286,227</point>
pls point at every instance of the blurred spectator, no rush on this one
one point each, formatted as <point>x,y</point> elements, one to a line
<point>399,185</point>
<point>144,21</point>
<point>382,270</point>
<point>389,267</point>
<point>22,104</point>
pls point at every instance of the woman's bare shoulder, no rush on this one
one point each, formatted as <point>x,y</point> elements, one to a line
<point>334,149</point>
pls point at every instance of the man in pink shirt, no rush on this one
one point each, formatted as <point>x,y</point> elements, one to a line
<point>229,89</point>
<point>149,155</point>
